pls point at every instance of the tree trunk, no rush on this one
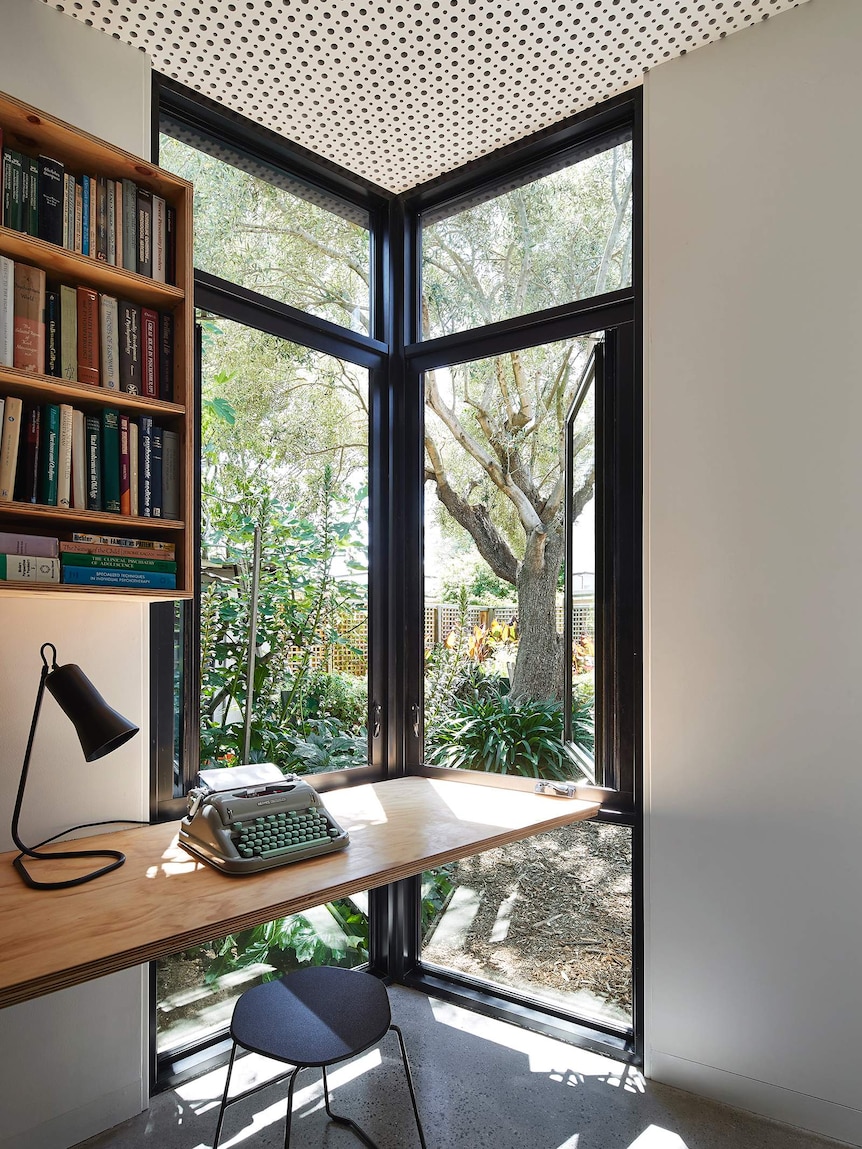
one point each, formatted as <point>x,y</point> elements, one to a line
<point>539,665</point>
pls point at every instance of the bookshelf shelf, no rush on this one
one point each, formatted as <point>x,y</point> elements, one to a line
<point>32,133</point>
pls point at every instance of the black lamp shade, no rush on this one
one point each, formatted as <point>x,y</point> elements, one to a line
<point>100,728</point>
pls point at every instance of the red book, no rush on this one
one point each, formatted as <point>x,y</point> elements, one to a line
<point>150,359</point>
<point>88,336</point>
<point>29,309</point>
<point>125,474</point>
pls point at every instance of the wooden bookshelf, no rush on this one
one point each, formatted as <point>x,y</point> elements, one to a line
<point>34,133</point>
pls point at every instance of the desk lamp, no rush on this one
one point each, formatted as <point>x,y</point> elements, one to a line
<point>100,730</point>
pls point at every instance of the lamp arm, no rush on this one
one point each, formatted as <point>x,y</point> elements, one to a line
<point>40,694</point>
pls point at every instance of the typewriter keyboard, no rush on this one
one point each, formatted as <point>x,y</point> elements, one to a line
<point>274,835</point>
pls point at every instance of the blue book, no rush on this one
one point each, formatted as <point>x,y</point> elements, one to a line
<point>145,466</point>
<point>85,215</point>
<point>156,472</point>
<point>109,576</point>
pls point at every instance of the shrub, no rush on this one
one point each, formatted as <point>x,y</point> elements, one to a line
<point>342,697</point>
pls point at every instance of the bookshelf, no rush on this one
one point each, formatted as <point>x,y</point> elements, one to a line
<point>35,133</point>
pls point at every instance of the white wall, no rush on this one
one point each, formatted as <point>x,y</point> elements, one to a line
<point>73,1063</point>
<point>754,568</point>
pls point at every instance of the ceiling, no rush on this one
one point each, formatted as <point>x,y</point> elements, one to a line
<point>401,92</point>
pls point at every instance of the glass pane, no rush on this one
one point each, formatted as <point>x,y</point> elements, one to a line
<point>197,989</point>
<point>495,540</point>
<point>582,576</point>
<point>549,918</point>
<point>563,237</point>
<point>260,235</point>
<point>284,433</point>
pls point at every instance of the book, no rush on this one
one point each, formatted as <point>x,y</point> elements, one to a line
<point>134,495</point>
<point>32,432</point>
<point>144,217</point>
<point>7,311</point>
<point>30,190</point>
<point>29,568</point>
<point>64,457</point>
<point>111,223</point>
<point>29,350</point>
<point>109,317</point>
<point>171,234</point>
<point>86,207</point>
<point>166,356</point>
<point>68,332</point>
<point>93,451</point>
<point>130,225</point>
<point>19,487</point>
<point>114,576</point>
<point>159,239</point>
<point>118,223</point>
<point>94,215</point>
<point>170,475</point>
<point>101,218</point>
<point>149,353</point>
<point>53,336</point>
<point>125,489</point>
<point>49,453</point>
<point>79,461</point>
<point>130,347</point>
<point>145,466</point>
<point>156,461</point>
<point>9,447</point>
<point>13,163</point>
<point>142,548</point>
<point>12,543</point>
<point>50,203</point>
<point>130,562</point>
<point>68,211</point>
<point>111,460</point>
<point>85,540</point>
<point>78,241</point>
<point>88,336</point>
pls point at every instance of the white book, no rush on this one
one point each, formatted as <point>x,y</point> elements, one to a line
<point>133,466</point>
<point>7,311</point>
<point>9,446</point>
<point>29,568</point>
<point>64,457</point>
<point>159,239</point>
<point>170,475</point>
<point>110,342</point>
<point>79,461</point>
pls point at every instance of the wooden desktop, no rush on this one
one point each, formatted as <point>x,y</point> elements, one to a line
<point>163,900</point>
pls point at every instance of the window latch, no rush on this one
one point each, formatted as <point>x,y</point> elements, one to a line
<point>561,789</point>
<point>376,719</point>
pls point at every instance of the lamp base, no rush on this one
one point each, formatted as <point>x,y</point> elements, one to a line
<point>35,884</point>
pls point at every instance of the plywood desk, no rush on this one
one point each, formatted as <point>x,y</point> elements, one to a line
<point>162,900</point>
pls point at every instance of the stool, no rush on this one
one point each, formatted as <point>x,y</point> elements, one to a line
<point>313,1017</point>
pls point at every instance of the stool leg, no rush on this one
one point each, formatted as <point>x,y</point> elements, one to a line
<point>409,1077</point>
<point>289,1107</point>
<point>224,1096</point>
<point>363,1137</point>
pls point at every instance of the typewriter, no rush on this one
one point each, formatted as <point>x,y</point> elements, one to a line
<point>249,818</point>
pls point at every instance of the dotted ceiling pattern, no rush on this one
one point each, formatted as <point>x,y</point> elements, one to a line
<point>401,92</point>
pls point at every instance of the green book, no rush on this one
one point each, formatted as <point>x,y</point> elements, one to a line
<point>49,454</point>
<point>119,562</point>
<point>111,460</point>
<point>93,452</point>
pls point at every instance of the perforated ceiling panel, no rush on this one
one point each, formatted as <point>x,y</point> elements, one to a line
<point>401,92</point>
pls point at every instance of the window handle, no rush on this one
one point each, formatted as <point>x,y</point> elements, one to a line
<point>414,711</point>
<point>376,719</point>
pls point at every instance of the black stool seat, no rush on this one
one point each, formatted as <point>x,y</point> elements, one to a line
<point>313,1018</point>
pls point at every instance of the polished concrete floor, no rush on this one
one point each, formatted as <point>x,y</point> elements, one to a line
<point>480,1083</point>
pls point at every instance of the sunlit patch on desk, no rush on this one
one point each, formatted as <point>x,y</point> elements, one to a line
<point>654,1137</point>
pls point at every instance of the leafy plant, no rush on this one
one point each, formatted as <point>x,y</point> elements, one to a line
<point>323,747</point>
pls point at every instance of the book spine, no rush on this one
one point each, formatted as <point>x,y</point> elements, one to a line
<point>166,356</point>
<point>13,189</point>
<point>130,562</point>
<point>78,242</point>
<point>111,460</point>
<point>134,453</point>
<point>88,336</point>
<point>53,335</point>
<point>138,552</point>
<point>7,311</point>
<point>145,223</point>
<point>79,461</point>
<point>93,447</point>
<point>42,546</point>
<point>86,207</point>
<point>49,454</point>
<point>30,209</point>
<point>171,234</point>
<point>118,223</point>
<point>112,576</point>
<point>145,477</point>
<point>110,223</point>
<point>150,358</point>
<point>94,215</point>
<point>50,202</point>
<point>18,490</point>
<point>130,347</point>
<point>156,466</point>
<point>102,218</point>
<point>33,435</point>
<point>125,490</point>
<point>109,316</point>
<point>68,211</point>
<point>130,226</point>
<point>12,412</point>
<point>159,240</point>
<point>64,457</point>
<point>27,568</point>
<point>68,333</point>
<point>170,475</point>
<point>29,353</point>
<point>84,540</point>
